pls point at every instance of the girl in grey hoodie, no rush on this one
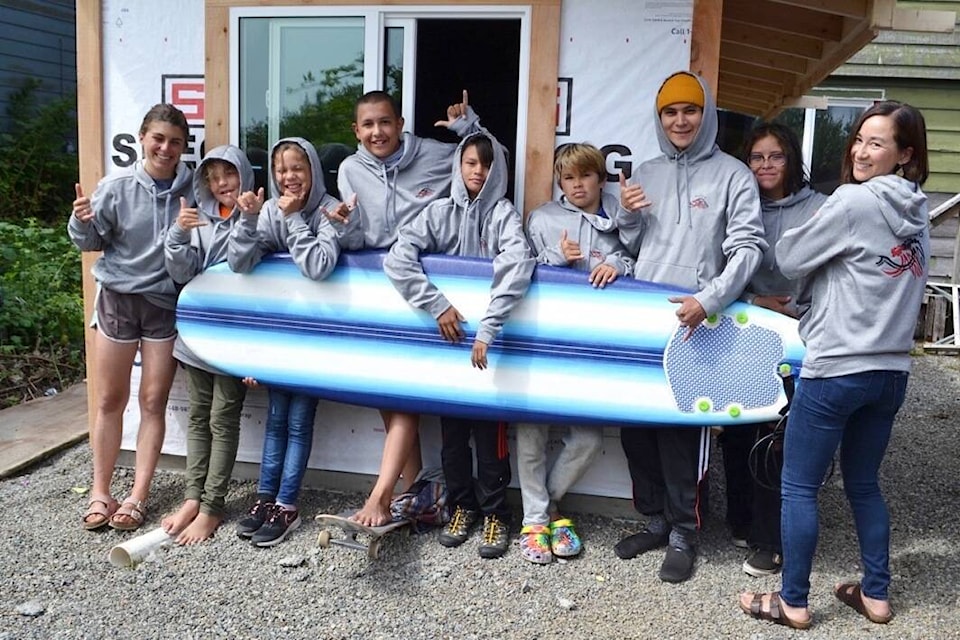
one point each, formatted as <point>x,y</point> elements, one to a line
<point>864,257</point>
<point>127,219</point>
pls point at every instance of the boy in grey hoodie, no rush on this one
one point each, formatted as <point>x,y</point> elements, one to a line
<point>692,217</point>
<point>199,240</point>
<point>127,219</point>
<point>476,220</point>
<point>576,231</point>
<point>390,179</point>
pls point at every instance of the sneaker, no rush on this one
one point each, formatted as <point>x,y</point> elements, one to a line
<point>257,515</point>
<point>496,537</point>
<point>278,525</point>
<point>762,563</point>
<point>646,540</point>
<point>677,564</point>
<point>535,544</point>
<point>459,527</point>
<point>564,541</point>
<point>738,536</point>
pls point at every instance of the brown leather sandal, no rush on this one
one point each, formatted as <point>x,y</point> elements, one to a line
<point>849,593</point>
<point>130,508</point>
<point>775,613</point>
<point>98,514</point>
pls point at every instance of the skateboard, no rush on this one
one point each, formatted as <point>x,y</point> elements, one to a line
<point>351,530</point>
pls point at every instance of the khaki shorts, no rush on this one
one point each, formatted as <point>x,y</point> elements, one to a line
<point>130,317</point>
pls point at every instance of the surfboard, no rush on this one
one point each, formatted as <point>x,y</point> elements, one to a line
<point>569,354</point>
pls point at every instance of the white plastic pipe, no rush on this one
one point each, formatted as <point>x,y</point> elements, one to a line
<point>135,550</point>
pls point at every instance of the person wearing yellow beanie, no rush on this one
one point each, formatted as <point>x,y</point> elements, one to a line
<point>691,218</point>
<point>680,87</point>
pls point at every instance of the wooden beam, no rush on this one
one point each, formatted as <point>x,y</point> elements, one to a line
<point>216,70</point>
<point>757,72</point>
<point>780,61</point>
<point>757,90</point>
<point>806,102</point>
<point>771,40</point>
<point>90,151</point>
<point>705,41</point>
<point>858,9</point>
<point>796,20</point>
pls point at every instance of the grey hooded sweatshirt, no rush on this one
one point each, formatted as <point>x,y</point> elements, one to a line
<point>865,256</point>
<point>306,234</point>
<point>188,252</point>
<point>488,227</point>
<point>131,220</point>
<point>598,237</point>
<point>779,216</point>
<point>703,230</point>
<point>388,198</point>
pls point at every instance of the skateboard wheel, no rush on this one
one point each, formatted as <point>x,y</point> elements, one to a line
<point>323,538</point>
<point>373,551</point>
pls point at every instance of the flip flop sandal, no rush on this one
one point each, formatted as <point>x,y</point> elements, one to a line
<point>774,613</point>
<point>849,593</point>
<point>101,511</point>
<point>132,509</point>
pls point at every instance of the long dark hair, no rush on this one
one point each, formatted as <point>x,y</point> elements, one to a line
<point>910,130</point>
<point>795,175</point>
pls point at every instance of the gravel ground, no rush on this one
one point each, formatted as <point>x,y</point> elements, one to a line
<point>55,581</point>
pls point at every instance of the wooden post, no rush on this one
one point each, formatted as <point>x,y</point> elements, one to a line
<point>90,151</point>
<point>705,41</point>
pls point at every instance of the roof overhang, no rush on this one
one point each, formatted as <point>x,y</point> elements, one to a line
<point>772,52</point>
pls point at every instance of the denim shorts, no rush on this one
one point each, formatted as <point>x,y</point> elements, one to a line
<point>130,317</point>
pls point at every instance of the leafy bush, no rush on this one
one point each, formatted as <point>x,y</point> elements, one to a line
<point>41,311</point>
<point>38,167</point>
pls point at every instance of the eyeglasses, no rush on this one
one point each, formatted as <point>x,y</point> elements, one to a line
<point>757,160</point>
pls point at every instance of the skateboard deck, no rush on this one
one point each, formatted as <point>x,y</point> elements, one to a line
<point>372,536</point>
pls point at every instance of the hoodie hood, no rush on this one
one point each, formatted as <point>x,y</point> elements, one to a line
<point>317,188</point>
<point>495,186</point>
<point>902,204</point>
<point>705,142</point>
<point>207,203</point>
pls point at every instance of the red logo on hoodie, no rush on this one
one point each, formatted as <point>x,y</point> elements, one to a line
<point>425,192</point>
<point>906,256</point>
<point>699,203</point>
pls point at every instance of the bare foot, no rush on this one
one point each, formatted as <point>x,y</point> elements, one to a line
<point>178,521</point>
<point>373,514</point>
<point>200,529</point>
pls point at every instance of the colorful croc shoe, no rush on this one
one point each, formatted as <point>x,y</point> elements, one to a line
<point>564,541</point>
<point>535,544</point>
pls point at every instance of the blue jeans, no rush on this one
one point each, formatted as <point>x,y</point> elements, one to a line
<point>854,412</point>
<point>286,445</point>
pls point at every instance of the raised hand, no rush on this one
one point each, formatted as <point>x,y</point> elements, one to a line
<point>632,197</point>
<point>188,217</point>
<point>570,249</point>
<point>454,111</point>
<point>82,210</point>
<point>289,203</point>
<point>250,202</point>
<point>449,323</point>
<point>341,213</point>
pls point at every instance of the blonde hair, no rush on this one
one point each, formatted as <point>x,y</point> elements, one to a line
<point>582,156</point>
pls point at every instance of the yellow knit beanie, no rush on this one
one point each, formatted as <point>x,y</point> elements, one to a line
<point>680,87</point>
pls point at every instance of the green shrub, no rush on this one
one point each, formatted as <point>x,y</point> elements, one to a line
<point>41,288</point>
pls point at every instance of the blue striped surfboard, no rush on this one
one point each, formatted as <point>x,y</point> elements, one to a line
<point>570,353</point>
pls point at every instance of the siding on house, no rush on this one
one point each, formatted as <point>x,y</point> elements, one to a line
<point>37,40</point>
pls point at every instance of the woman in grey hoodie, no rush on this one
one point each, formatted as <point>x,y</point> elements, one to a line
<point>127,218</point>
<point>864,260</point>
